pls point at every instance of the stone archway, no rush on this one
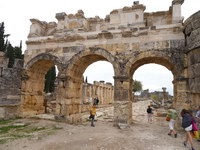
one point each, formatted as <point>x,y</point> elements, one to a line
<point>127,38</point>
<point>33,79</point>
<point>176,68</point>
<point>70,80</point>
<point>123,82</point>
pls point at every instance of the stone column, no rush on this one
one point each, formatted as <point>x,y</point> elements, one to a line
<point>84,93</point>
<point>181,95</point>
<point>176,11</point>
<point>122,100</point>
<point>164,95</point>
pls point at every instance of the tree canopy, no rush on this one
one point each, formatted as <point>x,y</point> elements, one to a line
<point>5,46</point>
<point>49,80</point>
<point>3,42</point>
<point>137,86</point>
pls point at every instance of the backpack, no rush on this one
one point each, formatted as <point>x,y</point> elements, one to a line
<point>96,101</point>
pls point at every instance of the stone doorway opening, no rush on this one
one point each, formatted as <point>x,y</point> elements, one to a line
<point>145,59</point>
<point>72,87</point>
<point>32,97</point>
<point>154,78</point>
<point>157,89</point>
<point>98,82</point>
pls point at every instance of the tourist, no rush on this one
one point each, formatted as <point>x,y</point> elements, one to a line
<point>149,114</point>
<point>92,114</point>
<point>96,101</point>
<point>187,125</point>
<point>172,114</point>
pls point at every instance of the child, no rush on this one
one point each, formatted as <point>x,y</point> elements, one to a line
<point>92,114</point>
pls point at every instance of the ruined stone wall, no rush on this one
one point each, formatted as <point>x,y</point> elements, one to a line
<point>192,33</point>
<point>10,88</point>
<point>104,92</point>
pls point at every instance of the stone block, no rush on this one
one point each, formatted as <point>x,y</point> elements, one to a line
<point>2,112</point>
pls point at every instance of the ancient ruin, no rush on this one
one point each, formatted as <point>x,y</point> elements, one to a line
<point>128,38</point>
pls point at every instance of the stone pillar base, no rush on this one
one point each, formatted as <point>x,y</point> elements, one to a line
<point>122,112</point>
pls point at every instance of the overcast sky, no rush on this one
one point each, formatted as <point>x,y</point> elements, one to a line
<point>16,15</point>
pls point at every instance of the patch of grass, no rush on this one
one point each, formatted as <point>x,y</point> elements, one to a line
<point>2,122</point>
<point>6,129</point>
<point>17,135</point>
<point>11,130</point>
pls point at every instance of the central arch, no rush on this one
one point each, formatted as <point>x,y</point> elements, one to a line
<point>69,91</point>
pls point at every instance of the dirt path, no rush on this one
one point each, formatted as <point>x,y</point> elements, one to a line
<point>140,136</point>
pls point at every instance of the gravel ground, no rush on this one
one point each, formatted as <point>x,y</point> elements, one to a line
<point>104,136</point>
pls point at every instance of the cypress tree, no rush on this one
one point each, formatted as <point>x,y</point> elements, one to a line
<point>50,79</point>
<point>11,55</point>
<point>6,47</point>
<point>3,44</point>
<point>18,51</point>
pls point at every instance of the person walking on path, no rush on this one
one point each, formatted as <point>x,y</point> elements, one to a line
<point>187,125</point>
<point>150,114</point>
<point>172,114</point>
<point>92,114</point>
<point>96,101</point>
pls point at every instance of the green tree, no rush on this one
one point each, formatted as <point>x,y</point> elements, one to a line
<point>3,42</point>
<point>154,97</point>
<point>137,86</point>
<point>50,79</point>
<point>11,55</point>
<point>18,51</point>
<point>7,47</point>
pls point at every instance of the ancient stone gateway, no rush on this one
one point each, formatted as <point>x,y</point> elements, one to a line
<point>127,38</point>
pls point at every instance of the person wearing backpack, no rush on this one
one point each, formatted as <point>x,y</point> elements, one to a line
<point>96,101</point>
<point>92,114</point>
<point>149,114</point>
<point>172,113</point>
<point>187,126</point>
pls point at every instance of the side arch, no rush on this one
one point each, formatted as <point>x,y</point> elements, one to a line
<point>32,91</point>
<point>45,58</point>
<point>142,58</point>
<point>168,61</point>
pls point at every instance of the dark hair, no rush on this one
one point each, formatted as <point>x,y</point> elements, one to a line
<point>184,111</point>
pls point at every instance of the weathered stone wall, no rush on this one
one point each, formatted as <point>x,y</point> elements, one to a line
<point>104,92</point>
<point>192,34</point>
<point>10,88</point>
